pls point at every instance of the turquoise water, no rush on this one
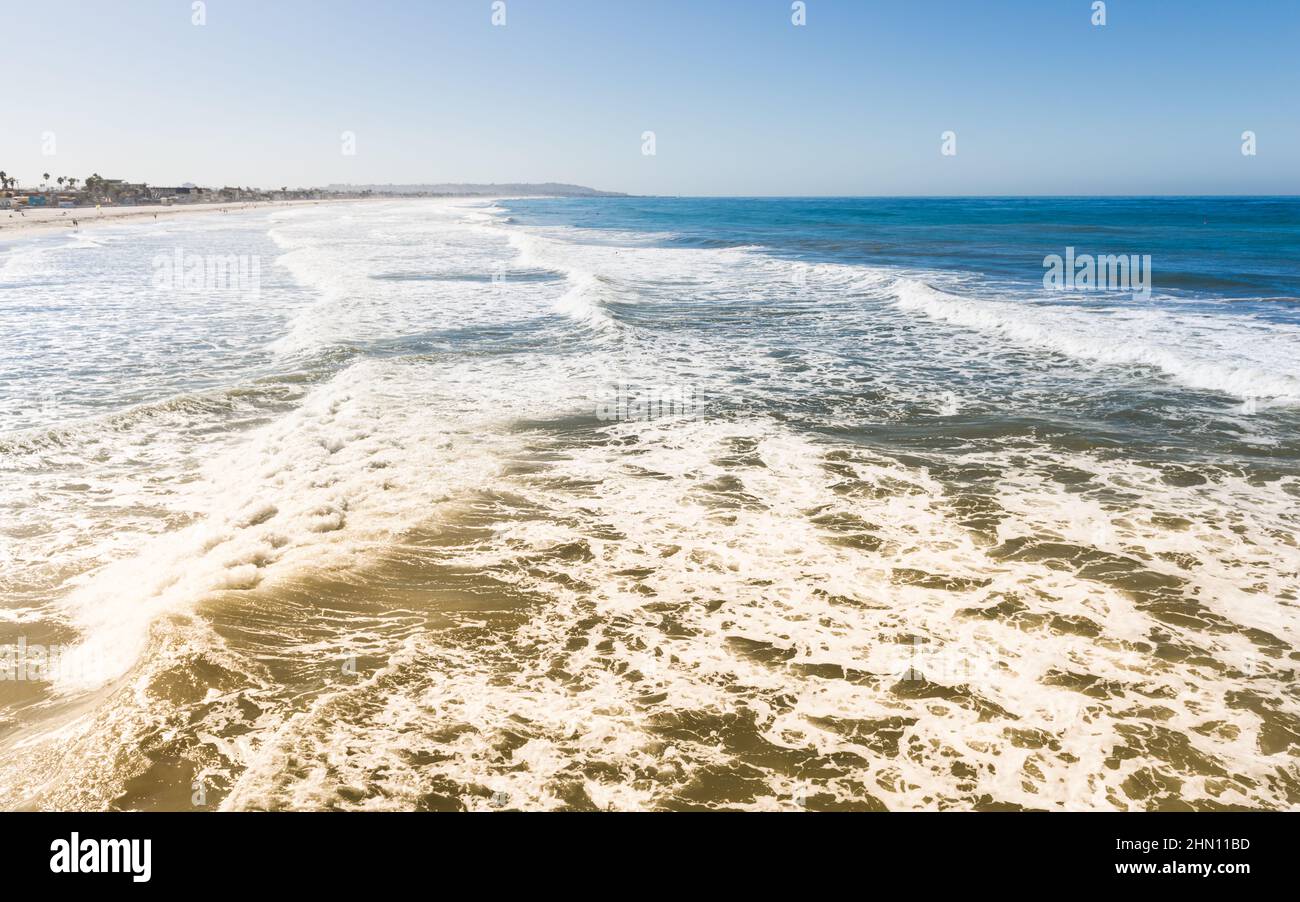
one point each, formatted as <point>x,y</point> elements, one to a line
<point>654,503</point>
<point>1210,247</point>
<point>1220,326</point>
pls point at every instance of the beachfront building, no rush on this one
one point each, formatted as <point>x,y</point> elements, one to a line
<point>185,194</point>
<point>133,193</point>
<point>171,195</point>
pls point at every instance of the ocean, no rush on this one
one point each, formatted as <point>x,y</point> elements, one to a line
<point>654,503</point>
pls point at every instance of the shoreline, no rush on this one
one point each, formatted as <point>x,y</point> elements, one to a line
<point>45,221</point>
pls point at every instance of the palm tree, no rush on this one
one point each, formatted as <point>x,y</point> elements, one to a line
<point>61,180</point>
<point>46,179</point>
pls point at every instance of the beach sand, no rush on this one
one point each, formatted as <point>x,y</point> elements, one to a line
<point>13,223</point>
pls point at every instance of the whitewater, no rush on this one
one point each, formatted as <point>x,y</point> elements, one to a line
<point>365,537</point>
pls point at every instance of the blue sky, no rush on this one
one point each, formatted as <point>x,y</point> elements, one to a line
<point>740,100</point>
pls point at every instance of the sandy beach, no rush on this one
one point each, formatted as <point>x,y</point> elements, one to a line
<point>13,223</point>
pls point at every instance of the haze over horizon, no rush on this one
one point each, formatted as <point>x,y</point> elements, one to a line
<point>740,100</point>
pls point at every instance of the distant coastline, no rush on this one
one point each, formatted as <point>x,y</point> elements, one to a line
<point>460,189</point>
<point>67,193</point>
<point>16,224</point>
<point>29,211</point>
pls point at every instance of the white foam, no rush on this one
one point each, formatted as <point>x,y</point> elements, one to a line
<point>771,617</point>
<point>1235,356</point>
<point>732,592</point>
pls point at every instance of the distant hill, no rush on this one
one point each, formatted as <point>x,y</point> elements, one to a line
<point>513,189</point>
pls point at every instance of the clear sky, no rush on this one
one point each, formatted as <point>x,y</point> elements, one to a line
<point>741,101</point>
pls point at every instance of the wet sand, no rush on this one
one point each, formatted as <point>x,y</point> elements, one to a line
<point>40,220</point>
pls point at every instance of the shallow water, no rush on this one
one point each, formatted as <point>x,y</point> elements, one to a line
<point>654,504</point>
